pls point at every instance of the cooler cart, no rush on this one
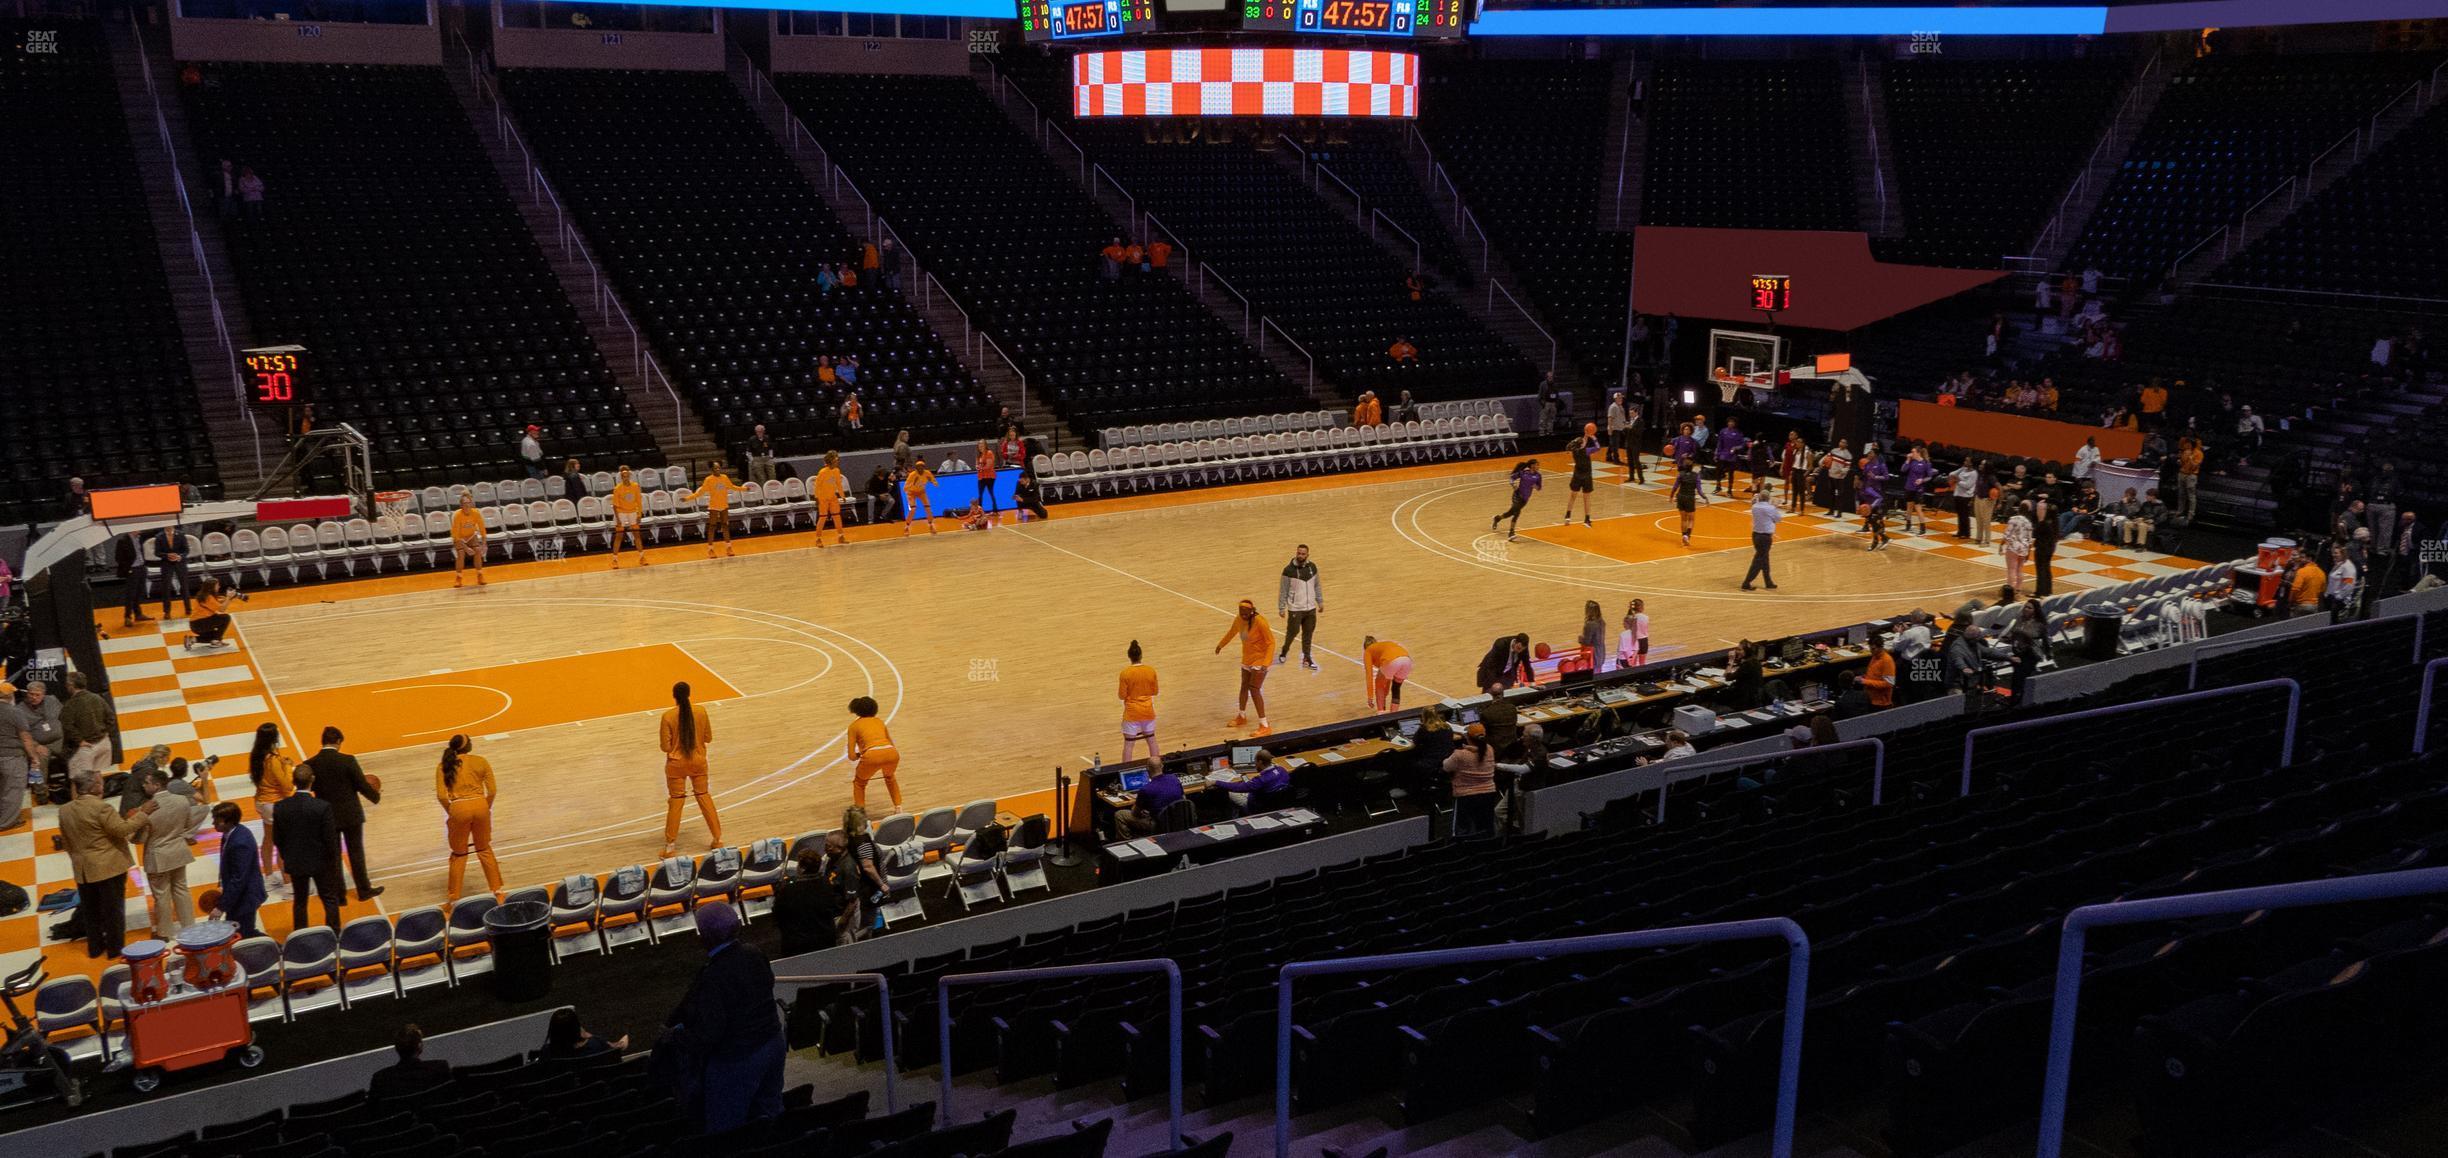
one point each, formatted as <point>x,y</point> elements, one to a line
<point>192,1021</point>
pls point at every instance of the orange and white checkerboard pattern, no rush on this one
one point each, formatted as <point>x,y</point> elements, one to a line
<point>1245,82</point>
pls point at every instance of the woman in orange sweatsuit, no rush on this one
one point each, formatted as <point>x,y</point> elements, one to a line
<point>914,492</point>
<point>686,732</point>
<point>871,748</point>
<point>464,785</point>
<point>827,491</point>
<point>1137,691</point>
<point>1257,658</point>
<point>1387,665</point>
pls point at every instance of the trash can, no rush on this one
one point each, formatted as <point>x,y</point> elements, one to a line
<point>2102,627</point>
<point>521,937</point>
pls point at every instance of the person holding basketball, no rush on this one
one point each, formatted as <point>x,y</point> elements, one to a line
<point>686,733</point>
<point>717,490</point>
<point>628,516</point>
<point>1257,657</point>
<point>914,484</point>
<point>1387,665</point>
<point>463,783</point>
<point>1525,482</point>
<point>1688,494</point>
<point>986,484</point>
<point>467,540</point>
<point>827,491</point>
<point>1138,696</point>
<point>1578,491</point>
<point>871,751</point>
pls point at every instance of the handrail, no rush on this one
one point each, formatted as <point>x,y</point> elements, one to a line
<point>2187,906</point>
<point>1265,324</point>
<point>1181,249</point>
<point>2231,643</point>
<point>1037,117</point>
<point>1056,129</point>
<point>1419,253</point>
<point>1472,219</point>
<point>1130,224</point>
<point>928,287</point>
<point>2415,87</point>
<point>1246,313</point>
<point>865,206</point>
<point>2422,711</point>
<point>1173,1007</point>
<point>1878,168</point>
<point>2290,291</point>
<point>2115,129</point>
<point>986,341</point>
<point>883,986</point>
<point>1623,155</point>
<point>1494,289</point>
<point>2286,749</point>
<point>1296,146</point>
<point>1679,770</point>
<point>1789,1055</point>
<point>1359,206</point>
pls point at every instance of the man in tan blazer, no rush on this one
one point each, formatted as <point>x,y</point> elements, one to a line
<point>96,839</point>
<point>165,823</point>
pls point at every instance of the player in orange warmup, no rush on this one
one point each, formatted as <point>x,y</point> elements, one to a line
<point>717,490</point>
<point>628,517</point>
<point>986,484</point>
<point>685,735</point>
<point>827,491</point>
<point>914,492</point>
<point>1138,696</point>
<point>1387,665</point>
<point>1257,658</point>
<point>871,750</point>
<point>467,540</point>
<point>464,784</point>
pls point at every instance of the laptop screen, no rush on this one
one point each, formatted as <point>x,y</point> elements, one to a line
<point>1244,756</point>
<point>1134,780</point>
<point>1409,727</point>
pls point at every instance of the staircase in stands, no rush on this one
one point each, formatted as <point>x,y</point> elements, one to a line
<point>1024,115</point>
<point>2058,234</point>
<point>244,447</point>
<point>673,419</point>
<point>1627,145</point>
<point>994,373</point>
<point>1878,202</point>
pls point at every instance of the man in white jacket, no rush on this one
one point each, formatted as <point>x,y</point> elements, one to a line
<point>1299,596</point>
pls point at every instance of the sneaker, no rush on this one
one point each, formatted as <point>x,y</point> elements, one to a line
<point>1311,664</point>
<point>1239,721</point>
<point>1279,661</point>
<point>1772,587</point>
<point>1514,537</point>
<point>1586,523</point>
<point>1263,730</point>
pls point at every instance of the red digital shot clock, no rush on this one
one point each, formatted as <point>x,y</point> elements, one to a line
<point>1771,292</point>
<point>276,376</point>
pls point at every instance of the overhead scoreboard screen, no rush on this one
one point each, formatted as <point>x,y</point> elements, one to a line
<point>1433,19</point>
<point>1083,19</point>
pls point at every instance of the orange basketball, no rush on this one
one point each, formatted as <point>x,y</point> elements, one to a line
<point>374,782</point>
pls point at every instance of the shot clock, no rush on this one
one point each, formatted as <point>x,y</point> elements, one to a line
<point>1410,18</point>
<point>276,377</point>
<point>1081,19</point>
<point>1771,292</point>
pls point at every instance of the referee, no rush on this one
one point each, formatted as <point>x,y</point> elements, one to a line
<point>1765,515</point>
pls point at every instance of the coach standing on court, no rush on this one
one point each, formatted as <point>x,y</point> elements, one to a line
<point>1299,597</point>
<point>1765,515</point>
<point>1618,420</point>
<point>342,783</point>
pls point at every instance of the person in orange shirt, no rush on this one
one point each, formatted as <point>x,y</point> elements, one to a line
<point>1160,253</point>
<point>871,750</point>
<point>1387,665</point>
<point>628,516</point>
<point>717,490</point>
<point>849,277</point>
<point>1257,658</point>
<point>1138,695</point>
<point>914,495</point>
<point>869,259</point>
<point>824,370</point>
<point>1412,282</point>
<point>2188,475</point>
<point>686,733</point>
<point>275,777</point>
<point>1879,681</point>
<point>463,783</point>
<point>851,411</point>
<point>827,491</point>
<point>467,540</point>
<point>1134,255</point>
<point>1403,351</point>
<point>986,484</point>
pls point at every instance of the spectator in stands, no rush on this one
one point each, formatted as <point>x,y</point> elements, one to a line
<point>853,414</point>
<point>2344,580</point>
<point>1678,745</point>
<point>1134,258</point>
<point>812,908</point>
<point>573,480</point>
<point>825,374</point>
<point>1966,671</point>
<point>1514,778</point>
<point>1160,254</point>
<point>1109,261</point>
<point>1878,681</point>
<point>826,280</point>
<point>228,199</point>
<point>565,1038</point>
<point>888,259</point>
<point>531,452</point>
<point>78,502</point>
<point>95,837</point>
<point>1013,449</point>
<point>1403,351</point>
<point>250,194</point>
<point>87,723</point>
<point>412,1074</point>
<point>847,274</point>
<point>242,878</point>
<point>18,758</point>
<point>2027,642</point>
<point>2154,402</point>
<point>760,456</point>
<point>1472,767</point>
<point>2080,511</point>
<point>2115,516</point>
<point>1162,791</point>
<point>727,1031</point>
<point>847,370</point>
<point>1406,410</point>
<point>2248,430</point>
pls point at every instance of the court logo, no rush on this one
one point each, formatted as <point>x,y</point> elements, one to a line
<point>1927,671</point>
<point>985,41</point>
<point>1926,44</point>
<point>2432,551</point>
<point>983,671</point>
<point>41,42</point>
<point>552,549</point>
<point>1492,549</point>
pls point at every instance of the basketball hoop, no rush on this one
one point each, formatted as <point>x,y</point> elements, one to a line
<point>392,504</point>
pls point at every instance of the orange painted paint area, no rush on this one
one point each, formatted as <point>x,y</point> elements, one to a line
<point>1653,535</point>
<point>421,710</point>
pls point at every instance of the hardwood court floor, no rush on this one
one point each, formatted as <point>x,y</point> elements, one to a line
<point>992,654</point>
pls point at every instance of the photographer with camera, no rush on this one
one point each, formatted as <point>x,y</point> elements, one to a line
<point>207,629</point>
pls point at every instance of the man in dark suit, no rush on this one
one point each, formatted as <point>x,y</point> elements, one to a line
<point>727,1030</point>
<point>173,547</point>
<point>343,785</point>
<point>2044,545</point>
<point>309,844</point>
<point>127,554</point>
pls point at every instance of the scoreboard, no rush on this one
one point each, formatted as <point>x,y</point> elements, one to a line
<point>1434,19</point>
<point>276,377</point>
<point>1082,19</point>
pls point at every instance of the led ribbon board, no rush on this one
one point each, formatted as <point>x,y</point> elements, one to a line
<point>1245,82</point>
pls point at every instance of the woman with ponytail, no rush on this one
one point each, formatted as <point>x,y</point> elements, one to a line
<point>275,778</point>
<point>464,785</point>
<point>686,733</point>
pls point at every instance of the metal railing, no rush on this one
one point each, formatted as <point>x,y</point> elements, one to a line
<point>1181,249</point>
<point>1359,206</point>
<point>1247,314</point>
<point>1470,221</point>
<point>2108,137</point>
<point>2286,749</point>
<point>1265,324</point>
<point>2422,710</point>
<point>1623,158</point>
<point>1878,167</point>
<point>928,287</point>
<point>883,985</point>
<point>1677,771</point>
<point>2293,895</point>
<point>1130,223</point>
<point>1419,253</point>
<point>1173,1020</point>
<point>1797,996</point>
<point>985,343</point>
<point>2211,647</point>
<point>195,241</point>
<point>2380,300</point>
<point>608,306</point>
<point>1495,289</point>
<point>1053,129</point>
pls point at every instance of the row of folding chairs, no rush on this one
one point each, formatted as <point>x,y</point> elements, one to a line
<point>1247,458</point>
<point>528,490</point>
<point>941,844</point>
<point>1205,428</point>
<point>2162,610</point>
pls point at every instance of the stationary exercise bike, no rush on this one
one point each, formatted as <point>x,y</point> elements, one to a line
<point>30,1070</point>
